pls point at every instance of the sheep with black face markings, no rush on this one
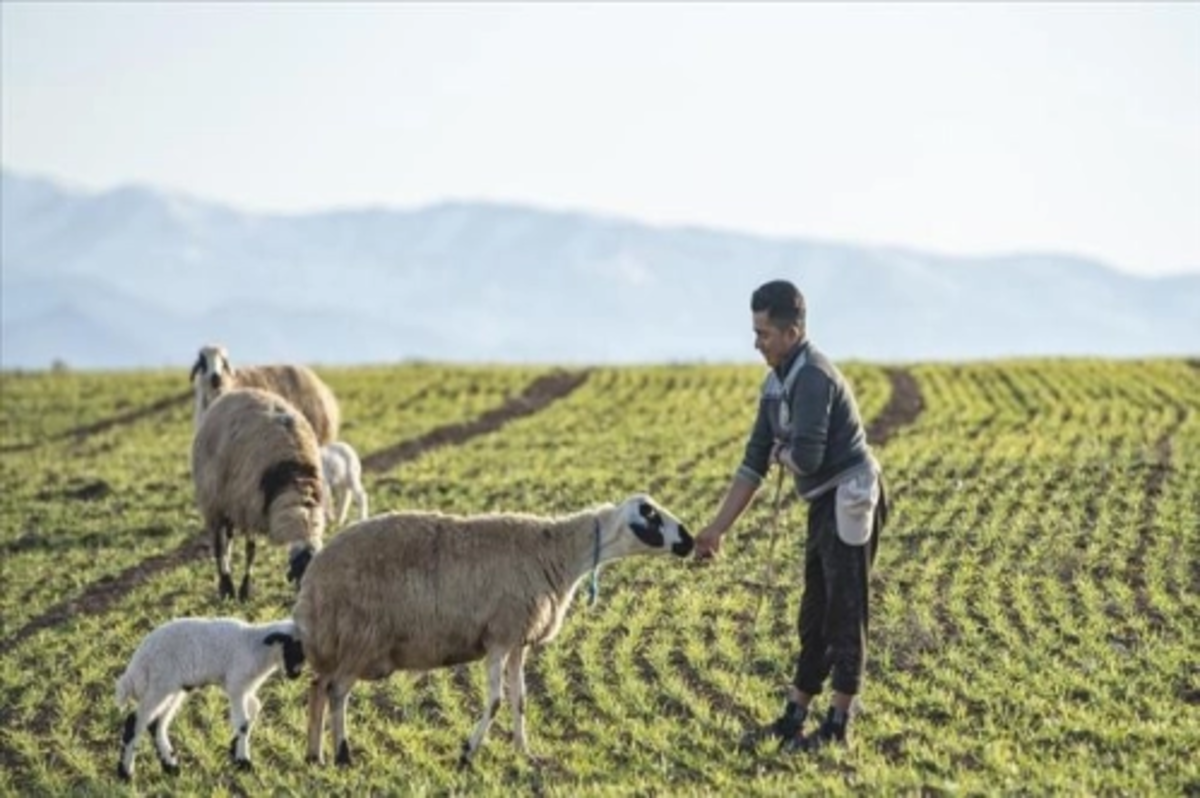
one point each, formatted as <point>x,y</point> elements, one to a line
<point>256,468</point>
<point>212,375</point>
<point>187,653</point>
<point>416,591</point>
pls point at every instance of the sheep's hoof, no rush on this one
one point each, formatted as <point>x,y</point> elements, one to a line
<point>122,773</point>
<point>244,765</point>
<point>170,768</point>
<point>343,758</point>
<point>226,587</point>
<point>314,759</point>
<point>244,590</point>
<point>464,760</point>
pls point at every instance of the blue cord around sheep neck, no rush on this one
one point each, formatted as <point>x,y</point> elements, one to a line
<point>594,587</point>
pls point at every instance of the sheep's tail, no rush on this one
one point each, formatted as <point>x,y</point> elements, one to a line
<point>125,687</point>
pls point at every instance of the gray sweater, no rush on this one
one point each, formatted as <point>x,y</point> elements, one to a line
<point>807,403</point>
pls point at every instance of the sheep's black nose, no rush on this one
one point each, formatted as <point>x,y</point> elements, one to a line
<point>686,543</point>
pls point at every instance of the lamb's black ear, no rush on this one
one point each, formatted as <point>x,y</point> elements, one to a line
<point>277,637</point>
<point>197,367</point>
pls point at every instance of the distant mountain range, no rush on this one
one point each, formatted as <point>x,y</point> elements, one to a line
<point>138,277</point>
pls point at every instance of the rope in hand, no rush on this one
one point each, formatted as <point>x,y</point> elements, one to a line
<point>769,577</point>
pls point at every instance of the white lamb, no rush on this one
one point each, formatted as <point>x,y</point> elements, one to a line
<point>342,471</point>
<point>187,653</point>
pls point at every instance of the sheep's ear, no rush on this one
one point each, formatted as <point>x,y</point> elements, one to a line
<point>277,637</point>
<point>197,368</point>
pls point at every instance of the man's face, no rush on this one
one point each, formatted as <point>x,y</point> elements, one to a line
<point>771,342</point>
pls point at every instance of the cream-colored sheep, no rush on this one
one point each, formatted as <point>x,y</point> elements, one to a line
<point>342,472</point>
<point>212,374</point>
<point>256,468</point>
<point>416,591</point>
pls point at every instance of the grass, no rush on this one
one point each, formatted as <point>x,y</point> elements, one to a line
<point>1036,598</point>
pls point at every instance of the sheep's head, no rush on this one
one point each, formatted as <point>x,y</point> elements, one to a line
<point>652,526</point>
<point>212,372</point>
<point>291,651</point>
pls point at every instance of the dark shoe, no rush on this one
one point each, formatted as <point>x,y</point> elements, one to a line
<point>786,727</point>
<point>832,731</point>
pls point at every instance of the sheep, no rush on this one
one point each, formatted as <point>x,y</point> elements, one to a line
<point>342,471</point>
<point>255,464</point>
<point>186,653</point>
<point>212,374</point>
<point>415,591</point>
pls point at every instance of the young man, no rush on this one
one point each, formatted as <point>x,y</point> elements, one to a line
<point>808,423</point>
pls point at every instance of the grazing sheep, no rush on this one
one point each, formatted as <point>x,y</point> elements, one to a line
<point>212,374</point>
<point>187,653</point>
<point>256,467</point>
<point>342,471</point>
<point>416,591</point>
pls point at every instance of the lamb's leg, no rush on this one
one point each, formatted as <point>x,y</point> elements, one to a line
<point>345,510</point>
<point>221,532</point>
<point>149,708</point>
<point>361,496</point>
<point>160,726</point>
<point>318,696</point>
<point>495,668</point>
<point>327,502</point>
<point>251,549</point>
<point>339,697</point>
<point>243,709</point>
<point>514,669</point>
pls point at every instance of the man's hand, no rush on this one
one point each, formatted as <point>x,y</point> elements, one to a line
<point>777,451</point>
<point>708,543</point>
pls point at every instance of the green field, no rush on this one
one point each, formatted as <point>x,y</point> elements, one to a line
<point>1035,627</point>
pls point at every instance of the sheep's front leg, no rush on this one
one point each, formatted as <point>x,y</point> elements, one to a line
<point>221,533</point>
<point>149,707</point>
<point>514,670</point>
<point>344,510</point>
<point>318,695</point>
<point>360,496</point>
<point>160,726</point>
<point>243,709</point>
<point>251,550</point>
<point>495,667</point>
<point>339,697</point>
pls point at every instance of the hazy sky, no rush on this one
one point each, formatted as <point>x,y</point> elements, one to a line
<point>964,129</point>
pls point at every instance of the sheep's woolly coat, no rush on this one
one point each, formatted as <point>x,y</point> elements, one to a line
<point>299,385</point>
<point>415,591</point>
<point>192,652</point>
<point>256,467</point>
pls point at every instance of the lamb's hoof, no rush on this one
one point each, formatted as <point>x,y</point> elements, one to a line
<point>314,759</point>
<point>244,591</point>
<point>343,758</point>
<point>225,588</point>
<point>170,768</point>
<point>233,749</point>
<point>464,759</point>
<point>122,773</point>
<point>244,765</point>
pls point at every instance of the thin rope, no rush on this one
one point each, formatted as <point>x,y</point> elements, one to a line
<point>594,587</point>
<point>769,575</point>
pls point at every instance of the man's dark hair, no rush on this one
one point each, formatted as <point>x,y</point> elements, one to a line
<point>782,301</point>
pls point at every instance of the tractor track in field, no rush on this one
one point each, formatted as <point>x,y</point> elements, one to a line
<point>99,596</point>
<point>120,420</point>
<point>902,409</point>
<point>538,395</point>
